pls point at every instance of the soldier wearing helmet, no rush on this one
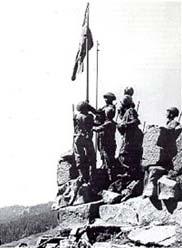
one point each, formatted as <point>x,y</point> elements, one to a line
<point>108,142</point>
<point>126,101</point>
<point>131,150</point>
<point>129,91</point>
<point>168,150</point>
<point>109,97</point>
<point>172,113</point>
<point>83,146</point>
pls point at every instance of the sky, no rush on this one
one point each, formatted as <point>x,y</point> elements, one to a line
<point>140,46</point>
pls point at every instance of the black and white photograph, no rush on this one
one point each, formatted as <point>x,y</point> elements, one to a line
<point>91,124</point>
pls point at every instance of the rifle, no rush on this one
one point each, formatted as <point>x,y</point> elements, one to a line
<point>73,113</point>
<point>180,115</point>
<point>144,124</point>
<point>138,105</point>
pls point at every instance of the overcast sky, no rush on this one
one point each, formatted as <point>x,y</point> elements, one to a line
<point>139,46</point>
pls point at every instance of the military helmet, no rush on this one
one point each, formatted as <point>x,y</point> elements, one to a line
<point>81,106</point>
<point>174,111</point>
<point>110,95</point>
<point>129,91</point>
<point>110,113</point>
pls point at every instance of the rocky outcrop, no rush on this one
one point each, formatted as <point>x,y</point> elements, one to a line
<point>66,169</point>
<point>141,212</point>
<point>155,235</point>
<point>119,215</point>
<point>78,215</point>
<point>157,139</point>
<point>133,212</point>
<point>151,152</point>
<point>178,159</point>
<point>145,221</point>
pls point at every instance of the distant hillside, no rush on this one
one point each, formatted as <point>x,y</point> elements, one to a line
<point>31,240</point>
<point>17,222</point>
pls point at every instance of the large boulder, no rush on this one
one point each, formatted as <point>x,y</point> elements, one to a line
<point>139,211</point>
<point>154,235</point>
<point>151,152</point>
<point>66,168</point>
<point>74,192</point>
<point>118,214</point>
<point>79,215</point>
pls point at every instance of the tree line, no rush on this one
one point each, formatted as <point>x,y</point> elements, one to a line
<point>27,225</point>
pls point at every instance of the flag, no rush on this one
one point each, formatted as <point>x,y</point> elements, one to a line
<point>86,35</point>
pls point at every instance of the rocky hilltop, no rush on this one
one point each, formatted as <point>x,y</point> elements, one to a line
<point>136,222</point>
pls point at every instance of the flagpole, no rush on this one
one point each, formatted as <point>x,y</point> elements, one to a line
<point>96,89</point>
<point>97,73</point>
<point>87,55</point>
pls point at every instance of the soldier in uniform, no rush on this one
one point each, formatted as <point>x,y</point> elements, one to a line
<point>131,150</point>
<point>168,150</point>
<point>109,98</point>
<point>172,113</point>
<point>85,156</point>
<point>126,100</point>
<point>108,148</point>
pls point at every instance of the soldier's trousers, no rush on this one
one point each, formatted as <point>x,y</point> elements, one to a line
<point>85,156</point>
<point>108,159</point>
<point>151,178</point>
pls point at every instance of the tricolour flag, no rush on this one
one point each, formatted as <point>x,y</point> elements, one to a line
<point>86,35</point>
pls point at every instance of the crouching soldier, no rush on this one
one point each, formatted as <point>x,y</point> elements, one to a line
<point>83,146</point>
<point>108,142</point>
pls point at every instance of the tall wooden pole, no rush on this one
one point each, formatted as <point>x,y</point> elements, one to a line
<point>96,89</point>
<point>87,55</point>
<point>97,74</point>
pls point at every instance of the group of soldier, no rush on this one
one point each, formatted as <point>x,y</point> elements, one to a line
<point>88,120</point>
<point>104,123</point>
